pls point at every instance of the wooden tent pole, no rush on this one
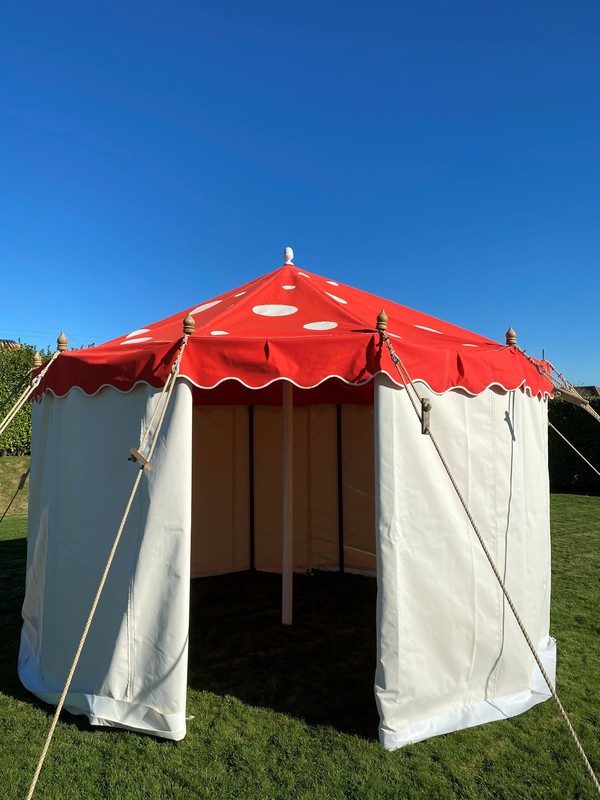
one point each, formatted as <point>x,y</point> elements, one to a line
<point>287,559</point>
<point>251,486</point>
<point>340,488</point>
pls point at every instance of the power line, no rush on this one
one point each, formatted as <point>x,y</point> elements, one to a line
<point>16,307</point>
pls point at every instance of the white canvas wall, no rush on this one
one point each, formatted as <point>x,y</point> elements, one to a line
<point>450,654</point>
<point>133,669</point>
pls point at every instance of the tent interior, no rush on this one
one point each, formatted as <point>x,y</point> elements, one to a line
<point>237,502</point>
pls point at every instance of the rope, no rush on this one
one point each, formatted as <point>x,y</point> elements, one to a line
<point>15,389</point>
<point>589,407</point>
<point>572,446</point>
<point>26,394</point>
<point>560,382</point>
<point>170,383</point>
<point>360,550</point>
<point>407,381</point>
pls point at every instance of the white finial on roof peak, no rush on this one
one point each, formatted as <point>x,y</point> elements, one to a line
<point>288,254</point>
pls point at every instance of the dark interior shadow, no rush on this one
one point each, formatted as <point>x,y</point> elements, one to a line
<point>320,669</point>
<point>13,555</point>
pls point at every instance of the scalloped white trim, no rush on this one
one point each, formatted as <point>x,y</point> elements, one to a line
<point>420,381</point>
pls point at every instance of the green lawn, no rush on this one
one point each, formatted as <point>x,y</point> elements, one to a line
<point>289,712</point>
<point>13,500</point>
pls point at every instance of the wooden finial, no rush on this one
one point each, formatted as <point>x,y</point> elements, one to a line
<point>189,325</point>
<point>382,321</point>
<point>37,360</point>
<point>511,337</point>
<point>62,343</point>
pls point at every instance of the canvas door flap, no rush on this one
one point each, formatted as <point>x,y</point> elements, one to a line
<point>135,651</point>
<point>445,641</point>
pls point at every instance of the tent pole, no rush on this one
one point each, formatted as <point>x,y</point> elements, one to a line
<point>287,559</point>
<point>251,482</point>
<point>340,488</point>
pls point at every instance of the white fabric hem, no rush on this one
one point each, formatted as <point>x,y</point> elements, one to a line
<point>482,712</point>
<point>102,711</point>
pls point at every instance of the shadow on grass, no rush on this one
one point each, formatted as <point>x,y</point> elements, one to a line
<point>13,554</point>
<point>320,669</point>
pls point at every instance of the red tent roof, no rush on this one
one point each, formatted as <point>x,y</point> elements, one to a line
<point>293,324</point>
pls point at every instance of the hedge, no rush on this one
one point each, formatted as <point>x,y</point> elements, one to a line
<point>568,473</point>
<point>15,364</point>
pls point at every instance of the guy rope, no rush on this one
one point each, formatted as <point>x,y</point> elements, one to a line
<point>61,346</point>
<point>572,446</point>
<point>416,400</point>
<point>144,462</point>
<point>24,397</point>
<point>563,389</point>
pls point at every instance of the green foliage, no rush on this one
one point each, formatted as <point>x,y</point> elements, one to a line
<point>568,473</point>
<point>15,364</point>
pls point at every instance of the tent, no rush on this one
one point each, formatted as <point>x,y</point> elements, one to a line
<point>291,443</point>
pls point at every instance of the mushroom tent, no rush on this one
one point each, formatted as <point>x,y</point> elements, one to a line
<point>288,376</point>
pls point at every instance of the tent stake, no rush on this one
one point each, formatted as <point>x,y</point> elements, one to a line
<point>287,559</point>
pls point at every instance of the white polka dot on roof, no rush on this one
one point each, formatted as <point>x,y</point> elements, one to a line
<point>239,294</point>
<point>136,333</point>
<point>333,283</point>
<point>320,326</point>
<point>395,335</point>
<point>304,275</point>
<point>425,328</point>
<point>204,306</point>
<point>288,287</point>
<point>337,299</point>
<point>219,333</point>
<point>135,341</point>
<point>274,310</point>
<point>470,345</point>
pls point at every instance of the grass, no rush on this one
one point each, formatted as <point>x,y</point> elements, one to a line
<point>13,500</point>
<point>289,712</point>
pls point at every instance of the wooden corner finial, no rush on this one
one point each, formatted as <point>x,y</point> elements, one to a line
<point>62,343</point>
<point>37,360</point>
<point>511,337</point>
<point>189,325</point>
<point>382,321</point>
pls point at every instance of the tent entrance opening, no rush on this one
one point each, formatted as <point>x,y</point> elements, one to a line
<point>237,502</point>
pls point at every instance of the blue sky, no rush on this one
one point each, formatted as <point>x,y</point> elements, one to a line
<point>443,154</point>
